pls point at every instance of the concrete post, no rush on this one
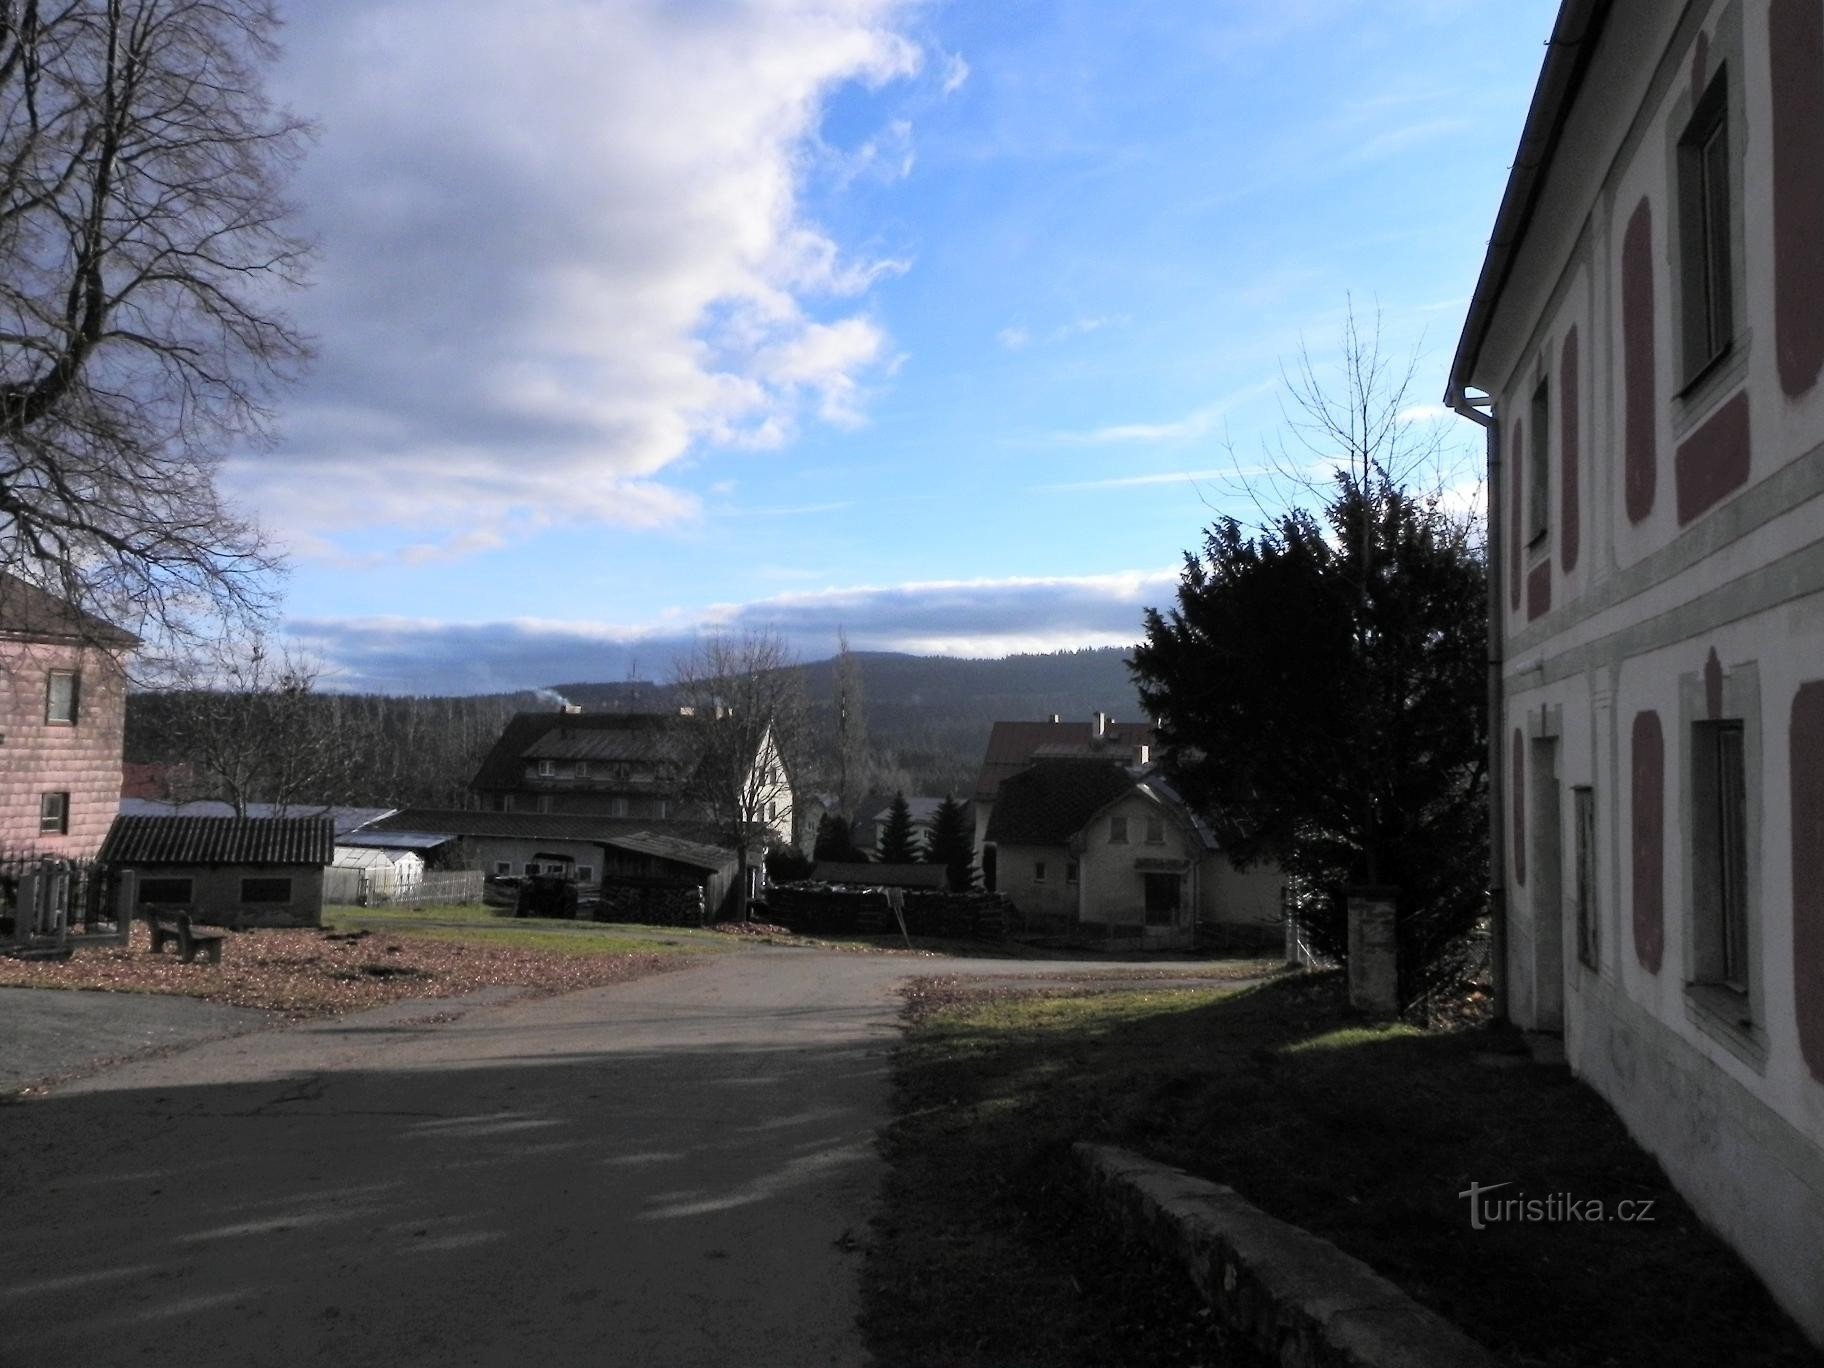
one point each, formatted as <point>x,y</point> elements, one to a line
<point>1374,963</point>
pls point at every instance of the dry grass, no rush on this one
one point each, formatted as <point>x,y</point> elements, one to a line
<point>313,974</point>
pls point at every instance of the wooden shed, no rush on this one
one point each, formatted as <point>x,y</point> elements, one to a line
<point>226,871</point>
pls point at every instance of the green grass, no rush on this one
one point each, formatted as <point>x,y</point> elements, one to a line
<point>483,925</point>
<point>1363,1134</point>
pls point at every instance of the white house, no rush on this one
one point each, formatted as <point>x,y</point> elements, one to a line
<point>1645,347</point>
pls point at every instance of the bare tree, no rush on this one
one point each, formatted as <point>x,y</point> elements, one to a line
<point>851,730</point>
<point>250,728</point>
<point>742,737</point>
<point>142,248</point>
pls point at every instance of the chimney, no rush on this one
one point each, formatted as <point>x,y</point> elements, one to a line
<point>687,712</point>
<point>1055,719</point>
<point>1143,755</point>
<point>571,709</point>
<point>1101,728</point>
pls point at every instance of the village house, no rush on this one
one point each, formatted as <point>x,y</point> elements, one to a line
<point>1094,844</point>
<point>618,765</point>
<point>1012,746</point>
<point>62,720</point>
<point>1645,347</point>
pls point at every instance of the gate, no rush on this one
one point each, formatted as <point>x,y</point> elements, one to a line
<point>50,907</point>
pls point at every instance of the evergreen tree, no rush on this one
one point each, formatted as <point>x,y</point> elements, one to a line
<point>835,841</point>
<point>897,845</point>
<point>953,845</point>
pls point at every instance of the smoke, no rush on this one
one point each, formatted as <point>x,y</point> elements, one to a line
<point>554,696</point>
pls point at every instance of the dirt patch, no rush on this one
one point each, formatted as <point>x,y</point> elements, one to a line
<point>306,974</point>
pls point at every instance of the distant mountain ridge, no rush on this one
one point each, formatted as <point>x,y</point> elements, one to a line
<point>933,713</point>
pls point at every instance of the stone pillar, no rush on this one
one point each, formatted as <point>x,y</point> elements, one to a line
<point>1374,963</point>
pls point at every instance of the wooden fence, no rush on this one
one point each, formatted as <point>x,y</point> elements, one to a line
<point>50,907</point>
<point>354,887</point>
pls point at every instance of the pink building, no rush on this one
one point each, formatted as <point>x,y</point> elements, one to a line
<point>62,718</point>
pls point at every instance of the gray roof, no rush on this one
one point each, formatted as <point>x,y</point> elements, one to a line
<point>219,841</point>
<point>673,848</point>
<point>345,819</point>
<point>395,840</point>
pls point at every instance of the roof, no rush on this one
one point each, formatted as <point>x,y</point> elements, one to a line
<point>1012,745</point>
<point>346,819</point>
<point>28,613</point>
<point>673,848</point>
<point>1567,60</point>
<point>574,736</point>
<point>365,857</point>
<point>538,826</point>
<point>394,840</point>
<point>1052,801</point>
<point>880,875</point>
<point>141,840</point>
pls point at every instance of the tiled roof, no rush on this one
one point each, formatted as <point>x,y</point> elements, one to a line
<point>558,735</point>
<point>219,840</point>
<point>1053,800</point>
<point>29,613</point>
<point>1012,746</point>
<point>539,826</point>
<point>880,875</point>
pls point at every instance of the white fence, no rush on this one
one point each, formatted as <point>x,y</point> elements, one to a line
<point>357,888</point>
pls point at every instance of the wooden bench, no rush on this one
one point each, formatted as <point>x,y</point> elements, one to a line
<point>174,928</point>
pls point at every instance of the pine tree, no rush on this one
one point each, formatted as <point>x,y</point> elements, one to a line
<point>896,843</point>
<point>953,845</point>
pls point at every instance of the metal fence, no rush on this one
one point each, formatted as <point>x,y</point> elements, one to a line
<point>357,888</point>
<point>54,906</point>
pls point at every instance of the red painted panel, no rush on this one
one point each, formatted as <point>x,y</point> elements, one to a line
<point>1713,461</point>
<point>1570,530</point>
<point>1649,764</point>
<point>1806,740</point>
<point>1539,590</point>
<point>1515,552</point>
<point>1640,476</point>
<point>1795,31</point>
<point>1518,801</point>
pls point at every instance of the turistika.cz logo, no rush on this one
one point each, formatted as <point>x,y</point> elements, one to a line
<point>1555,1208</point>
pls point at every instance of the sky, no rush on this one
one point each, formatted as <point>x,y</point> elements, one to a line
<point>945,325</point>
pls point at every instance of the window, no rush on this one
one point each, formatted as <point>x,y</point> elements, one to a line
<point>585,873</point>
<point>617,807</point>
<point>60,698</point>
<point>1070,872</point>
<point>1038,871</point>
<point>165,890</point>
<point>1583,813</point>
<point>266,890</point>
<point>662,809</point>
<point>1539,466</point>
<point>53,814</point>
<point>502,868</point>
<point>1706,259</point>
<point>1155,831</point>
<point>544,802</point>
<point>1162,899</point>
<point>1720,855</point>
<point>772,812</point>
<point>582,769</point>
<point>1117,831</point>
<point>547,769</point>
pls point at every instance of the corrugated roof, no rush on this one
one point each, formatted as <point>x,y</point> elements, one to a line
<point>395,840</point>
<point>1012,746</point>
<point>880,875</point>
<point>540,826</point>
<point>1053,800</point>
<point>346,819</point>
<point>219,840</point>
<point>31,614</point>
<point>673,848</point>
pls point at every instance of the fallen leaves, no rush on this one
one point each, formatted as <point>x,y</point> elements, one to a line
<point>307,973</point>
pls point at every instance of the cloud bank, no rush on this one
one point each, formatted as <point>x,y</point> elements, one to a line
<point>962,617</point>
<point>564,243</point>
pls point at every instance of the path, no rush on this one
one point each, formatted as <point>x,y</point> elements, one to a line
<point>670,1171</point>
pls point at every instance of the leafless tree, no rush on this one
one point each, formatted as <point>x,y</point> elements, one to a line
<point>851,730</point>
<point>744,735</point>
<point>143,248</point>
<point>249,728</point>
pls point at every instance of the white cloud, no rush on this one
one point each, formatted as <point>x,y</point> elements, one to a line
<point>981,617</point>
<point>1014,338</point>
<point>563,245</point>
<point>1163,477</point>
<point>956,73</point>
<point>1199,423</point>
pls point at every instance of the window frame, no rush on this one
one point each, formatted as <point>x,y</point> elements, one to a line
<point>1539,464</point>
<point>1038,871</point>
<point>1586,910</point>
<point>54,822</point>
<point>50,692</point>
<point>503,869</point>
<point>1708,204</point>
<point>1155,830</point>
<point>1720,878</point>
<point>1117,830</point>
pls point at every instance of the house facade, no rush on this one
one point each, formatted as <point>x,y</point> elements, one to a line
<point>1645,348</point>
<point>1097,845</point>
<point>620,765</point>
<point>62,722</point>
<point>1012,746</point>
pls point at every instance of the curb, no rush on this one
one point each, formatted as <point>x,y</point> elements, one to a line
<point>1296,1297</point>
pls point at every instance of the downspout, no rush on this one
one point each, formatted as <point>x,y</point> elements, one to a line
<point>1472,409</point>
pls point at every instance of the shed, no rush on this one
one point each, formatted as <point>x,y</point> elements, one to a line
<point>229,871</point>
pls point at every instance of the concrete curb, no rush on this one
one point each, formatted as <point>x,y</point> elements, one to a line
<point>1298,1298</point>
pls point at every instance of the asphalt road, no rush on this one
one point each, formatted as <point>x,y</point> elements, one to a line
<point>670,1171</point>
<point>47,1033</point>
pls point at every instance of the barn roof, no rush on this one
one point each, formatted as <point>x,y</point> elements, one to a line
<point>673,848</point>
<point>219,840</point>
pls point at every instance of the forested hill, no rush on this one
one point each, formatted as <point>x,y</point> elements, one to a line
<point>928,716</point>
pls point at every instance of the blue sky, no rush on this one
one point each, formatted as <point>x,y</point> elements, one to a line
<point>638,318</point>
